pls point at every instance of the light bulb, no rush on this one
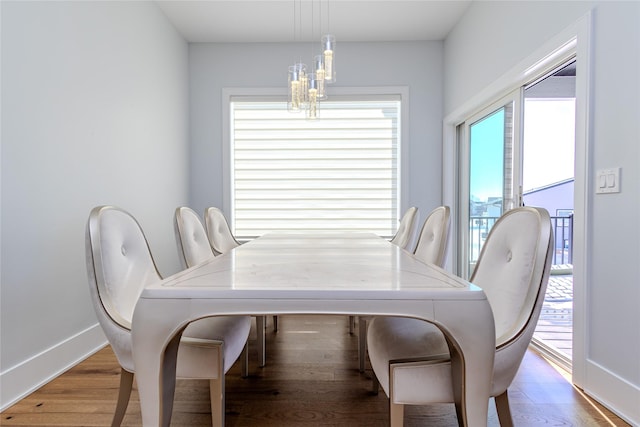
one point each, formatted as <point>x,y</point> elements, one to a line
<point>295,95</point>
<point>304,88</point>
<point>312,109</point>
<point>293,103</point>
<point>328,44</point>
<point>319,69</point>
<point>312,106</point>
<point>304,83</point>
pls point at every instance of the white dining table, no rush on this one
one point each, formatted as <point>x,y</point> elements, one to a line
<point>278,274</point>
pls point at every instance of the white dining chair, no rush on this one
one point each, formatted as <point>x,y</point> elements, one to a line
<point>431,248</point>
<point>222,240</point>
<point>406,229</point>
<point>411,358</point>
<point>433,239</point>
<point>191,238</point>
<point>120,266</point>
<point>218,231</point>
<point>194,248</point>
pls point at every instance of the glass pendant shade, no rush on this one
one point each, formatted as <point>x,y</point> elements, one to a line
<point>304,82</point>
<point>318,62</point>
<point>307,87</point>
<point>293,102</point>
<point>328,46</point>
<point>312,107</point>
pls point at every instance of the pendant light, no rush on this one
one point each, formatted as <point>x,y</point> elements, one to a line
<point>306,87</point>
<point>328,46</point>
<point>312,106</point>
<point>318,68</point>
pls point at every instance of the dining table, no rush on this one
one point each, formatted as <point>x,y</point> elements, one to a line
<point>314,273</point>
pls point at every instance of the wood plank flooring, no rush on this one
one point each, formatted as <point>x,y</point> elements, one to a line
<point>311,379</point>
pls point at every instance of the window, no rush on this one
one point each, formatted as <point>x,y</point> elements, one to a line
<point>337,173</point>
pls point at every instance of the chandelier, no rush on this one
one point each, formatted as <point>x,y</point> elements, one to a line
<point>307,87</point>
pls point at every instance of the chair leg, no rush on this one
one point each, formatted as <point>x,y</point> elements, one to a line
<point>362,342</point>
<point>124,393</point>
<point>396,414</point>
<point>245,360</point>
<point>503,409</point>
<point>396,410</point>
<point>275,323</point>
<point>375,385</point>
<point>216,392</point>
<point>262,351</point>
<point>352,324</point>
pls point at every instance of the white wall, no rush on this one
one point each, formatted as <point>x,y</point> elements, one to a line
<point>94,111</point>
<point>417,65</point>
<point>493,38</point>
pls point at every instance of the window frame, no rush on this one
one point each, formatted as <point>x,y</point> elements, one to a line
<point>269,94</point>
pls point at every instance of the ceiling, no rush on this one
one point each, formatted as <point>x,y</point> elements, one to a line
<point>229,21</point>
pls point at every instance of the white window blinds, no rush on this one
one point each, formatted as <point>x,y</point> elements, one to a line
<point>337,173</point>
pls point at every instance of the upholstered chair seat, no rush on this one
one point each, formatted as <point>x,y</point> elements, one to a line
<point>431,248</point>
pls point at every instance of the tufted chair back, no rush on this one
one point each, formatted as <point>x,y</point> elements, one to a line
<point>119,266</point>
<point>406,229</point>
<point>191,238</point>
<point>218,231</point>
<point>513,270</point>
<point>434,237</point>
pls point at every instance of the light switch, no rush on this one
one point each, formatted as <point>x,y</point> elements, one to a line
<point>608,181</point>
<point>602,181</point>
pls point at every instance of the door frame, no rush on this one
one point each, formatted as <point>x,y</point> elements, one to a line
<point>575,40</point>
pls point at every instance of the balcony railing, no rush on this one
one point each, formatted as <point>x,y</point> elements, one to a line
<point>479,227</point>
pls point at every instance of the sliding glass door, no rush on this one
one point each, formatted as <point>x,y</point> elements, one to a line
<point>520,151</point>
<point>489,175</point>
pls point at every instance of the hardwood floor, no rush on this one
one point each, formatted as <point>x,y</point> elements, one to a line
<point>311,379</point>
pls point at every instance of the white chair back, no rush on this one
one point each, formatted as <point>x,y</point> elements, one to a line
<point>119,266</point>
<point>406,229</point>
<point>511,268</point>
<point>434,237</point>
<point>191,238</point>
<point>218,231</point>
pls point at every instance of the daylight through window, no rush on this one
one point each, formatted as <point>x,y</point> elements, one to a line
<point>339,173</point>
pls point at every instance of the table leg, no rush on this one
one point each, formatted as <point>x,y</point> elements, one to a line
<point>470,333</point>
<point>261,339</point>
<point>155,353</point>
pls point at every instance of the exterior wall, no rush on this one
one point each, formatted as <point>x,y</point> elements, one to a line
<point>552,198</point>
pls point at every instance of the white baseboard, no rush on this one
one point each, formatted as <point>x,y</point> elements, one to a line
<point>618,395</point>
<point>19,381</point>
